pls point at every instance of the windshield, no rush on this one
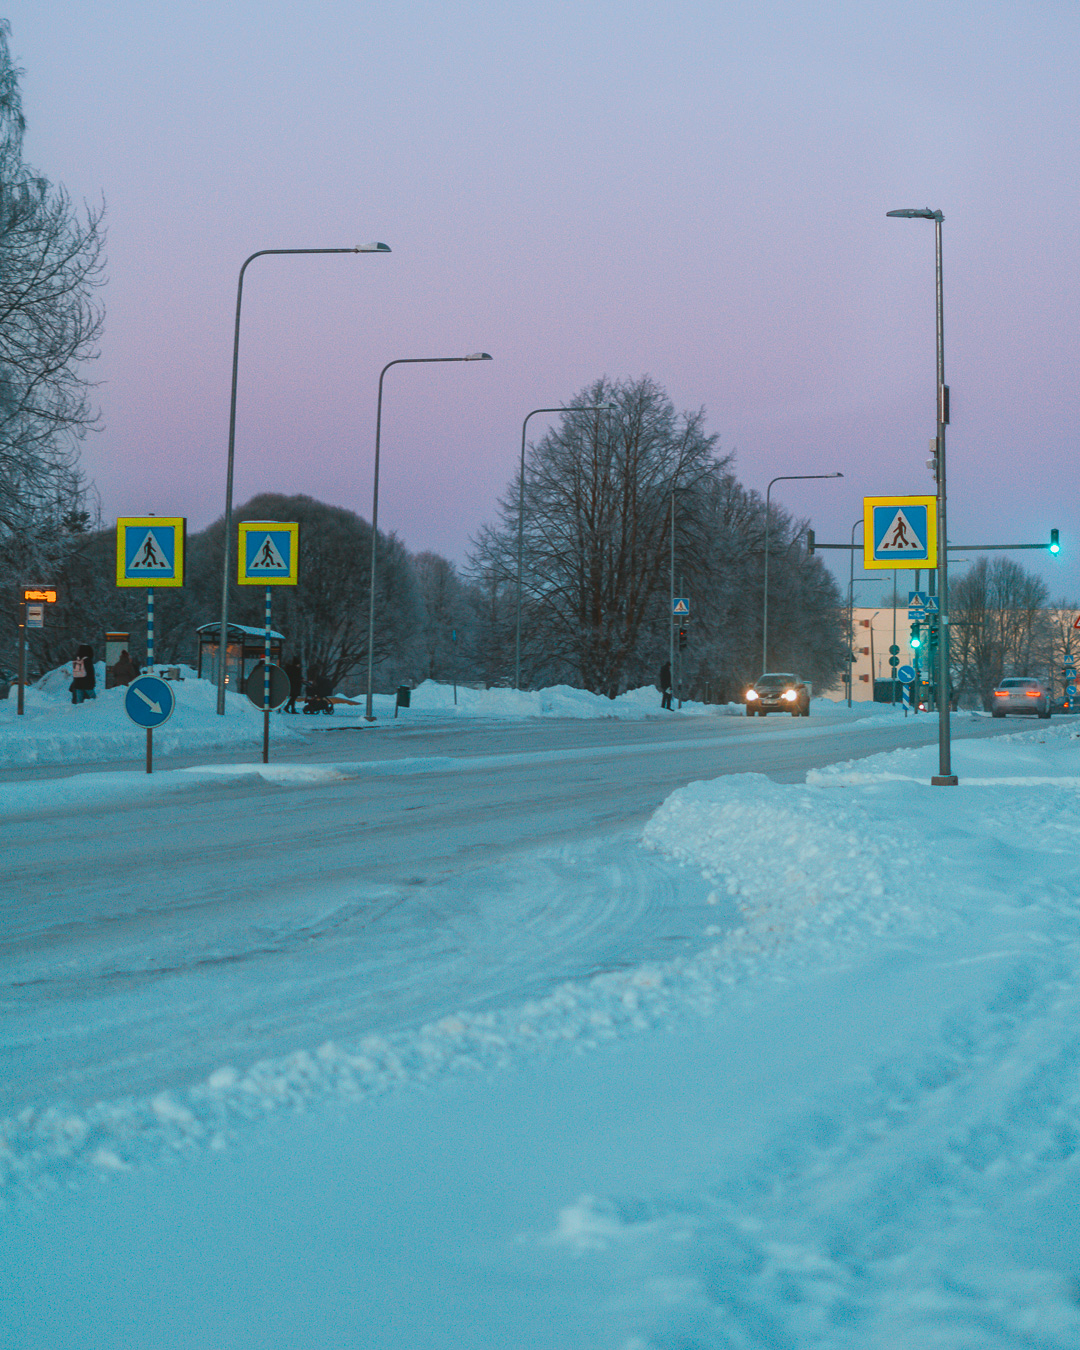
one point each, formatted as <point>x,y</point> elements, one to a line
<point>1019,684</point>
<point>775,681</point>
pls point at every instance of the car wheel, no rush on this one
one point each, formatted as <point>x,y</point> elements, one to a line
<point>1045,716</point>
<point>749,711</point>
<point>995,713</point>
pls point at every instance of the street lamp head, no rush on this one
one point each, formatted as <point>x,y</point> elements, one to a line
<point>477,356</point>
<point>913,214</point>
<point>372,248</point>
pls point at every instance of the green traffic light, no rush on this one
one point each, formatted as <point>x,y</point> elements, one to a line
<point>1055,547</point>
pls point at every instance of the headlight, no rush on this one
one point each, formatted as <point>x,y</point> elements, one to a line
<point>790,695</point>
<point>751,694</point>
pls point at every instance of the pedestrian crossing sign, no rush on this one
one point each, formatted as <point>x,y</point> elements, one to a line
<point>681,607</point>
<point>150,550</point>
<point>899,532</point>
<point>269,553</point>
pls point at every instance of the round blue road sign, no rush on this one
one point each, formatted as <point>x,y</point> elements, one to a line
<point>905,674</point>
<point>149,701</point>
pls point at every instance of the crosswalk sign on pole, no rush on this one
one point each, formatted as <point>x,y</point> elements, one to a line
<point>150,550</point>
<point>269,553</point>
<point>681,607</point>
<point>899,532</point>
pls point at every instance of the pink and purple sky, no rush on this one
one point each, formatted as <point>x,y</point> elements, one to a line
<point>696,191</point>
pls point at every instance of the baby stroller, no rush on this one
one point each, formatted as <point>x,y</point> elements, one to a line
<point>318,696</point>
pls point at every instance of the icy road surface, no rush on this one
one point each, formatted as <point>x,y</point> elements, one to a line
<point>370,881</point>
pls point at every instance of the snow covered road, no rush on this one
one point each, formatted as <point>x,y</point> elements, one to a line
<point>784,1061</point>
<point>226,914</point>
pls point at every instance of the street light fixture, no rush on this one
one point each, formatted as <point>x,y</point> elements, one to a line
<point>401,361</point>
<point>601,407</point>
<point>262,253</point>
<point>781,478</point>
<point>944,776</point>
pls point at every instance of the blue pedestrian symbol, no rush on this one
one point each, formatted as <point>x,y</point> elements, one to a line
<point>149,701</point>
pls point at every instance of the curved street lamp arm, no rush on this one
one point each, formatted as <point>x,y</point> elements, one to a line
<point>259,253</point>
<point>399,361</point>
<point>780,478</point>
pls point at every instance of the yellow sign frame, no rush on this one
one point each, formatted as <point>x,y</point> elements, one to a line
<point>244,577</point>
<point>872,560</point>
<point>177,525</point>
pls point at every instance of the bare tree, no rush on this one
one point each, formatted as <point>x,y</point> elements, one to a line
<point>597,527</point>
<point>325,617</point>
<point>445,638</point>
<point>51,264</point>
<point>999,626</point>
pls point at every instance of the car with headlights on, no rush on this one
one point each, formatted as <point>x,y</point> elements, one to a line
<point>1020,694</point>
<point>778,691</point>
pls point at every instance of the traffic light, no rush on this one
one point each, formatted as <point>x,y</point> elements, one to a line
<point>811,543</point>
<point>1055,547</point>
<point>682,639</point>
<point>915,640</point>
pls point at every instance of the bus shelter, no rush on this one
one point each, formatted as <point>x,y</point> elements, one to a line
<point>244,649</point>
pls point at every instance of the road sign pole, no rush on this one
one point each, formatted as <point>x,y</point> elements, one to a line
<point>149,749</point>
<point>150,631</point>
<point>266,682</point>
<point>22,656</point>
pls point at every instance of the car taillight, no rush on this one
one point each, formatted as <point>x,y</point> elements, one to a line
<point>1000,693</point>
<point>1033,693</point>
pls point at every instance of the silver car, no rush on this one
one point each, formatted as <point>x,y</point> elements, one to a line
<point>1020,695</point>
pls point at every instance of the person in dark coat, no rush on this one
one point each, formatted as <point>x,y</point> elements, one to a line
<point>665,685</point>
<point>82,671</point>
<point>124,669</point>
<point>296,683</point>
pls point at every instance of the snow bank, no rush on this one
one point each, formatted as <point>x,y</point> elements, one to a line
<point>53,730</point>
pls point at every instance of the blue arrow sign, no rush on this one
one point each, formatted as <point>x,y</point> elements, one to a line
<point>149,701</point>
<point>905,674</point>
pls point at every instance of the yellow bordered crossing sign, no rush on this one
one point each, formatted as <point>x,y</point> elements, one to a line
<point>269,553</point>
<point>150,550</point>
<point>899,532</point>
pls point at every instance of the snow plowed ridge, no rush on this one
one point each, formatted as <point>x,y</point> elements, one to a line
<point>792,917</point>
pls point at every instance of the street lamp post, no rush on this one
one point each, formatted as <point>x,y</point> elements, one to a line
<point>781,478</point>
<point>602,407</point>
<point>401,361</point>
<point>851,610</point>
<point>944,776</point>
<point>262,253</point>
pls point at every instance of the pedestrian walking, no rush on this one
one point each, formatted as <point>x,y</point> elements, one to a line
<point>82,674</point>
<point>296,683</point>
<point>665,686</point>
